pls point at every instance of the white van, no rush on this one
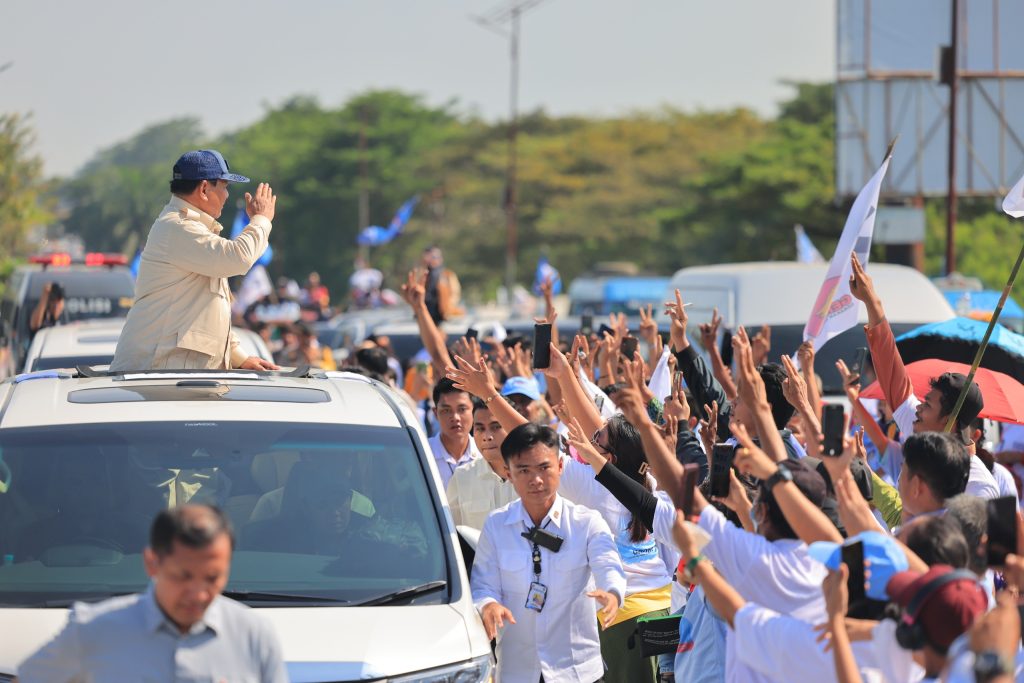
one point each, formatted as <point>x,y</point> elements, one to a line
<point>87,459</point>
<point>782,293</point>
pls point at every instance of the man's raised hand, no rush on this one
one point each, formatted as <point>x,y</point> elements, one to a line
<point>264,203</point>
<point>677,332</point>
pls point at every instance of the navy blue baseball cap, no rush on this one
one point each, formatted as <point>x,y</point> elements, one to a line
<point>205,164</point>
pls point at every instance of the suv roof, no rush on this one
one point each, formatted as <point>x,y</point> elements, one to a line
<point>52,398</point>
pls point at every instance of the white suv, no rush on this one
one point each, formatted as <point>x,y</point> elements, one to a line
<point>344,539</point>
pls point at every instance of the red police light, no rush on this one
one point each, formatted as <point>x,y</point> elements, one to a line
<point>56,259</point>
<point>98,259</point>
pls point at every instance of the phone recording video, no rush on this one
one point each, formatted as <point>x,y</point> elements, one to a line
<point>541,346</point>
<point>721,464</point>
<point>833,423</point>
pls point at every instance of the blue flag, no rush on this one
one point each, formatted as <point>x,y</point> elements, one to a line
<point>546,271</point>
<point>136,262</point>
<point>242,220</point>
<point>375,235</point>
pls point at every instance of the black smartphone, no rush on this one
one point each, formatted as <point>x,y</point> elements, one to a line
<point>721,464</point>
<point>726,351</point>
<point>833,421</point>
<point>471,333</point>
<point>858,363</point>
<point>689,485</point>
<point>586,325</point>
<point>541,345</point>
<point>629,346</point>
<point>603,330</point>
<point>1001,529</point>
<point>853,558</point>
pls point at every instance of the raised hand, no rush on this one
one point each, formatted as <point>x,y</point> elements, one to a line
<point>670,432</point>
<point>709,429</point>
<point>737,500</point>
<point>677,331</point>
<point>761,344</point>
<point>264,203</point>
<point>676,405</point>
<point>794,388</point>
<point>648,327</point>
<point>837,596</point>
<point>750,386</point>
<point>709,331</point>
<point>585,446</point>
<point>476,379</point>
<point>861,285</point>
<point>750,459</point>
<point>414,291</point>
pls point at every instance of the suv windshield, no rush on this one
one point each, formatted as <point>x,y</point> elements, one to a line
<point>87,293</point>
<point>334,511</point>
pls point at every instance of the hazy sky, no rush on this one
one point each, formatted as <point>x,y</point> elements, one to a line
<point>94,73</point>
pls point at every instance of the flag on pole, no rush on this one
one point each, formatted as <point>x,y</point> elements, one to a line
<point>546,271</point>
<point>835,310</point>
<point>806,252</point>
<point>375,235</point>
<point>242,220</point>
<point>1013,204</point>
<point>661,379</point>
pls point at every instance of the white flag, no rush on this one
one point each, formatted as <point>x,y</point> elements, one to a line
<point>806,252</point>
<point>835,310</point>
<point>661,379</point>
<point>1013,204</point>
<point>255,286</point>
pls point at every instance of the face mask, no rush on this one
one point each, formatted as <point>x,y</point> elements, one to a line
<point>753,518</point>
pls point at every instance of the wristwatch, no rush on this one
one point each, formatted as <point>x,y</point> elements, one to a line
<point>782,474</point>
<point>989,664</point>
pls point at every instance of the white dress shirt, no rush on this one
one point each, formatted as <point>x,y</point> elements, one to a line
<point>446,462</point>
<point>560,642</point>
<point>475,491</point>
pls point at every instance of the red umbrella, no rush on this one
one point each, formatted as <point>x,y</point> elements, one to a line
<point>1002,394</point>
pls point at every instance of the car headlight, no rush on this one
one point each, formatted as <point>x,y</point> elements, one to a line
<point>479,670</point>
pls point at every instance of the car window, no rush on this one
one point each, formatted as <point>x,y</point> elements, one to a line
<point>337,511</point>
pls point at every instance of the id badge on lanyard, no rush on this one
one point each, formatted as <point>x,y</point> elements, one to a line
<point>538,591</point>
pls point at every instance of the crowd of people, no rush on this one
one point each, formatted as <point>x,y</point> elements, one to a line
<point>614,547</point>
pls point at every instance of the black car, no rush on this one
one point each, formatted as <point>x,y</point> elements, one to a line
<point>99,287</point>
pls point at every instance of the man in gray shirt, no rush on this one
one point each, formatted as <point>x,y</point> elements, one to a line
<point>180,629</point>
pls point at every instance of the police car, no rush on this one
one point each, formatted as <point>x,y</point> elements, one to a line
<point>344,539</point>
<point>98,286</point>
<point>92,342</point>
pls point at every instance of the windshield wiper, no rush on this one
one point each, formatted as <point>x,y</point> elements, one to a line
<point>259,596</point>
<point>410,592</point>
<point>56,603</point>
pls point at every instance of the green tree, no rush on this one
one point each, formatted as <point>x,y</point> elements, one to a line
<point>118,193</point>
<point>23,190</point>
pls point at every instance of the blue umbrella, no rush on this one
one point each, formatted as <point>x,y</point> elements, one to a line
<point>958,340</point>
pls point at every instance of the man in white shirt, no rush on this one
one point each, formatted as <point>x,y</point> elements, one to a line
<point>452,446</point>
<point>542,566</point>
<point>935,467</point>
<point>482,486</point>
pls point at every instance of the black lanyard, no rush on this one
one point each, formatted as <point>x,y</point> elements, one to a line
<point>536,550</point>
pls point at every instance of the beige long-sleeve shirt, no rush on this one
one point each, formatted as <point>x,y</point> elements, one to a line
<point>182,300</point>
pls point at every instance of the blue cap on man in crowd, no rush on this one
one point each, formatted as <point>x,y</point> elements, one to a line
<point>527,386</point>
<point>881,552</point>
<point>205,164</point>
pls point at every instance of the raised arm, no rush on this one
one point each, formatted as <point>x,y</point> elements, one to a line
<point>414,292</point>
<point>577,402</point>
<point>477,381</point>
<point>885,357</point>
<point>797,391</point>
<point>709,340</point>
<point>724,599</point>
<point>807,520</point>
<point>805,354</point>
<point>753,395</point>
<point>702,384</point>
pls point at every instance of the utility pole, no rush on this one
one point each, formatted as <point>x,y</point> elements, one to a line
<point>510,14</point>
<point>952,75</point>
<point>364,191</point>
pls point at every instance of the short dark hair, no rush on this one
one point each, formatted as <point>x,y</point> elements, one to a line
<point>526,436</point>
<point>446,386</point>
<point>478,404</point>
<point>949,384</point>
<point>194,526</point>
<point>971,515</point>
<point>938,540</point>
<point>807,480</point>
<point>940,460</point>
<point>374,359</point>
<point>184,187</point>
<point>773,376</point>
